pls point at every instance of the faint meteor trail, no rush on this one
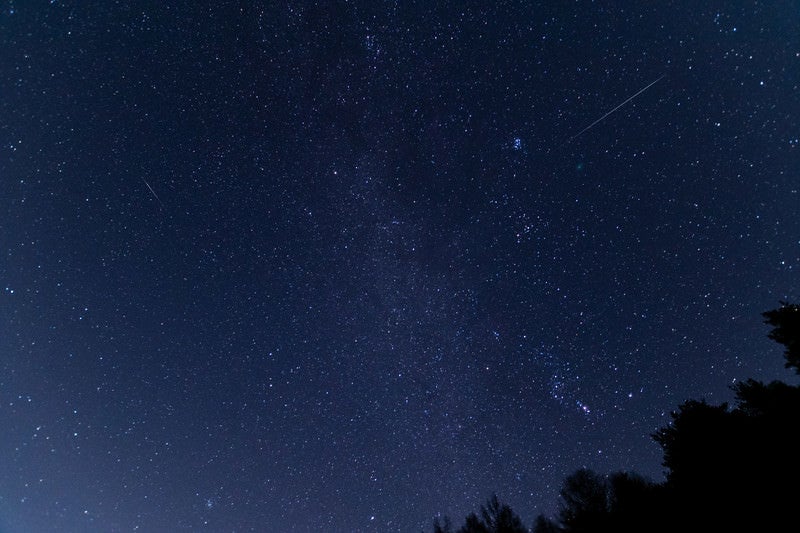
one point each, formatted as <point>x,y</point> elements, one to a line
<point>154,194</point>
<point>590,126</point>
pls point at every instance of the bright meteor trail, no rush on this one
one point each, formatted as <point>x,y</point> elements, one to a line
<point>640,91</point>
<point>154,193</point>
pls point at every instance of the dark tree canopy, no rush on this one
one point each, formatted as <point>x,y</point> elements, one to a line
<point>736,468</point>
<point>495,517</point>
<point>584,500</point>
<point>786,330</point>
<point>773,400</point>
<point>695,443</point>
<point>621,502</point>
<point>727,468</point>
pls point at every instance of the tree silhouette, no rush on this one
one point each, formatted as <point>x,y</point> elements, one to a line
<point>621,502</point>
<point>786,331</point>
<point>727,469</point>
<point>499,518</point>
<point>584,501</point>
<point>695,444</point>
<point>495,517</point>
<point>634,502</point>
<point>735,469</point>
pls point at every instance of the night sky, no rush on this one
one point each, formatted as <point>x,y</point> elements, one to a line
<point>341,266</point>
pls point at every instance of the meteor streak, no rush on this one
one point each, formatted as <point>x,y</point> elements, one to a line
<point>590,126</point>
<point>154,193</point>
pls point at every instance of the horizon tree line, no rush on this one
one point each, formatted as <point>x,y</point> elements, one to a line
<point>728,468</point>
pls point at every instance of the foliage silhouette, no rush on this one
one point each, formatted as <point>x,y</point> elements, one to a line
<point>621,502</point>
<point>495,517</point>
<point>786,331</point>
<point>727,469</point>
<point>585,500</point>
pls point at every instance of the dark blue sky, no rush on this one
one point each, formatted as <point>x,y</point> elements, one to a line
<point>341,266</point>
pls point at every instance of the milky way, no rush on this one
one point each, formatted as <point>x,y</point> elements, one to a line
<point>344,266</point>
